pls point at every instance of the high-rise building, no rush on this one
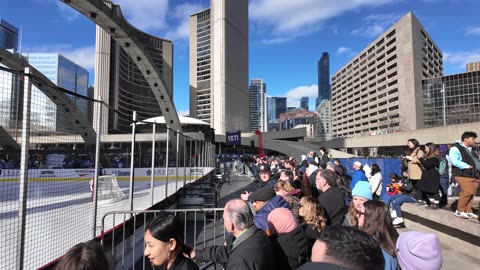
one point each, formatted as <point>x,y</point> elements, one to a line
<point>324,127</point>
<point>451,99</point>
<point>299,118</point>
<point>258,105</point>
<point>63,73</point>
<point>120,83</point>
<point>275,107</point>
<point>11,90</point>
<point>304,103</point>
<point>381,87</point>
<point>8,36</point>
<point>324,90</point>
<point>219,93</point>
<point>475,66</point>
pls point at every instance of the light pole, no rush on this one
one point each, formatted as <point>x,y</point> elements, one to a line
<point>444,105</point>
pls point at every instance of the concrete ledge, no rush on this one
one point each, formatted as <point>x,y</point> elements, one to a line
<point>444,221</point>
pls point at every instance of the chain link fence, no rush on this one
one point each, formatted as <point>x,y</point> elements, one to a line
<point>61,171</point>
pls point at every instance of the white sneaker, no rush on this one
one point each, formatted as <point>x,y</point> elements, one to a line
<point>461,214</point>
<point>398,221</point>
<point>471,215</point>
<point>393,213</point>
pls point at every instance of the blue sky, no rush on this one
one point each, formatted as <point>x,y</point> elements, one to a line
<point>286,37</point>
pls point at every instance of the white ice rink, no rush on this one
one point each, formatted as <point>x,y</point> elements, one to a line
<point>56,223</point>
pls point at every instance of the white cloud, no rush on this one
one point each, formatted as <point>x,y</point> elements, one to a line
<point>183,113</point>
<point>294,95</point>
<point>376,24</point>
<point>473,31</point>
<point>182,13</point>
<point>83,56</point>
<point>146,15</point>
<point>344,50</point>
<point>460,59</point>
<point>301,17</point>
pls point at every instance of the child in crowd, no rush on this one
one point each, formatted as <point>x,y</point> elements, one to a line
<point>394,187</point>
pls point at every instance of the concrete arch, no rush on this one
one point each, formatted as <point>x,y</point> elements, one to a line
<point>82,126</point>
<point>109,17</point>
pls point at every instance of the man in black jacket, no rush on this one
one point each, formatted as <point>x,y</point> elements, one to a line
<point>247,248</point>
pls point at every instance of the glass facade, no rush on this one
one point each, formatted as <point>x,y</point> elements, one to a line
<point>452,99</point>
<point>258,105</point>
<point>324,90</point>
<point>304,103</point>
<point>275,107</point>
<point>63,73</point>
<point>8,36</point>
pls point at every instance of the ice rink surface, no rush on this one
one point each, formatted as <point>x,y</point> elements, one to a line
<point>60,215</point>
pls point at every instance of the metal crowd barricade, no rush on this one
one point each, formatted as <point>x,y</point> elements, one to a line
<point>125,244</point>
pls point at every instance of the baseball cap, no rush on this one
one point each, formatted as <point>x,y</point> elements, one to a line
<point>262,194</point>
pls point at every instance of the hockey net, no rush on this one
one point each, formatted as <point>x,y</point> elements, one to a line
<point>108,189</point>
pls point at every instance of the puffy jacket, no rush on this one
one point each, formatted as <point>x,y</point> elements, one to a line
<point>260,218</point>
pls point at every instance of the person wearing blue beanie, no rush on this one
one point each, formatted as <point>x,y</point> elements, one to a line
<point>361,193</point>
<point>363,189</point>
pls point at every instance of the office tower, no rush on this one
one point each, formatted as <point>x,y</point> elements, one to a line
<point>275,107</point>
<point>258,105</point>
<point>8,36</point>
<point>120,83</point>
<point>63,73</point>
<point>324,127</point>
<point>451,99</point>
<point>11,90</point>
<point>324,90</point>
<point>304,103</point>
<point>299,118</point>
<point>219,93</point>
<point>475,66</point>
<point>380,89</point>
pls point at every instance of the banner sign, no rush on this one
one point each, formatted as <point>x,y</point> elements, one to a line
<point>233,137</point>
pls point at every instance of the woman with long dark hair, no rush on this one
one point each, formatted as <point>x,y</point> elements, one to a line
<point>376,221</point>
<point>414,166</point>
<point>430,183</point>
<point>164,244</point>
<point>376,181</point>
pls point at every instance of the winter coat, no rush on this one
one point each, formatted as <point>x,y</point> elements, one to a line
<point>357,176</point>
<point>260,218</point>
<point>183,263</point>
<point>254,252</point>
<point>430,182</point>
<point>376,182</point>
<point>311,233</point>
<point>291,249</point>
<point>414,169</point>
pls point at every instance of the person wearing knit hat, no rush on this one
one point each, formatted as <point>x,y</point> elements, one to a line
<point>361,193</point>
<point>363,189</point>
<point>291,245</point>
<point>418,250</point>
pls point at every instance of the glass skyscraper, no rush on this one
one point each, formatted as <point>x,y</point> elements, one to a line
<point>275,107</point>
<point>8,36</point>
<point>324,89</point>
<point>304,103</point>
<point>63,73</point>
<point>258,105</point>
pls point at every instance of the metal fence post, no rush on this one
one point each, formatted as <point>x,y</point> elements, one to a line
<point>176,161</point>
<point>152,176</point>
<point>190,162</point>
<point>132,159</point>
<point>97,157</point>
<point>22,199</point>
<point>166,162</point>
<point>184,161</point>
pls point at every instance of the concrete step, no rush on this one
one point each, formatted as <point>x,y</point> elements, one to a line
<point>444,221</point>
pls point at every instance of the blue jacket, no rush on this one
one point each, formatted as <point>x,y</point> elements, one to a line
<point>260,218</point>
<point>359,175</point>
<point>390,262</point>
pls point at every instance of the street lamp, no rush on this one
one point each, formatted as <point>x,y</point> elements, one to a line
<point>444,104</point>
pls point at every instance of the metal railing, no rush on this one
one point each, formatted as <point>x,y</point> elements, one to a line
<point>124,242</point>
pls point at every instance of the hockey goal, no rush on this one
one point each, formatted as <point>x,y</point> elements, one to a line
<point>108,189</point>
